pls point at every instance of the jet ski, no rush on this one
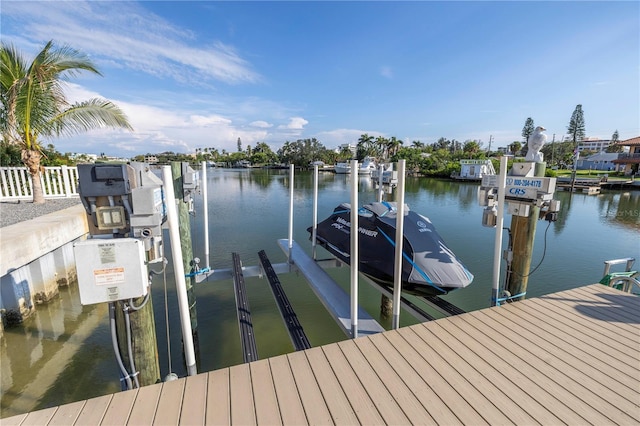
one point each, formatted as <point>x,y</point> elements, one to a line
<point>429,267</point>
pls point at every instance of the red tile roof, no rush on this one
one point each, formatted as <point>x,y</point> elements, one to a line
<point>630,142</point>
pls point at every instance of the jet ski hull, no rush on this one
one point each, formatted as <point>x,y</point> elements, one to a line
<point>429,266</point>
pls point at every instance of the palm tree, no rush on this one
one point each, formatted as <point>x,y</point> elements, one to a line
<point>34,105</point>
<point>365,146</point>
<point>393,145</point>
<point>417,145</point>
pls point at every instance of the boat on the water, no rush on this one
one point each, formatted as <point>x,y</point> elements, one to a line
<point>367,165</point>
<point>429,266</point>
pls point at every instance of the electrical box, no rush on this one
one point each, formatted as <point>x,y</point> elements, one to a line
<point>190,178</point>
<point>98,180</point>
<point>110,269</point>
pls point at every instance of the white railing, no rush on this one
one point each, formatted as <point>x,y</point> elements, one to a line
<point>57,182</point>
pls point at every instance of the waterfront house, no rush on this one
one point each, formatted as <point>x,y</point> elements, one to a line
<point>599,161</point>
<point>629,162</point>
<point>474,169</point>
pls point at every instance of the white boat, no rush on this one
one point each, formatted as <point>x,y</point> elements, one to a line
<point>365,168</point>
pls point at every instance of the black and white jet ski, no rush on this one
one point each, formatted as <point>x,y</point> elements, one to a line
<point>429,267</point>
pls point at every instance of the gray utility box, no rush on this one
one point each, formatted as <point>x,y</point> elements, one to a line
<point>105,180</point>
<point>190,178</point>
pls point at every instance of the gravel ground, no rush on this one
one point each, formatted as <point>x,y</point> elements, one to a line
<point>12,212</point>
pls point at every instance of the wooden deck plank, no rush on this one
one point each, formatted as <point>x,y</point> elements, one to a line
<point>482,380</point>
<point>396,388</point>
<point>194,401</point>
<point>312,400</point>
<point>339,407</point>
<point>119,408</point>
<point>41,417</point>
<point>67,414</point>
<point>437,385</point>
<point>591,303</point>
<point>597,328</point>
<point>594,309</point>
<point>243,411</point>
<point>170,402</point>
<point>264,393</point>
<point>94,410</point>
<point>387,406</point>
<point>571,357</point>
<point>145,405</point>
<point>519,387</point>
<point>510,358</point>
<point>567,390</point>
<point>364,408</point>
<point>218,398</point>
<point>291,409</point>
<point>607,387</point>
<point>14,420</point>
<point>476,398</point>
<point>400,366</point>
<point>568,324</point>
<point>625,302</point>
<point>593,355</point>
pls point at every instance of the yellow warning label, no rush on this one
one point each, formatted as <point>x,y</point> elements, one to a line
<point>109,276</point>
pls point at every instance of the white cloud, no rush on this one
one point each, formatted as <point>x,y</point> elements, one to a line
<point>124,35</point>
<point>261,124</point>
<point>209,121</point>
<point>295,123</point>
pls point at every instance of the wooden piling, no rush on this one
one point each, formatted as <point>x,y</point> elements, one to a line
<point>184,222</point>
<point>386,306</point>
<point>143,340</point>
<point>523,232</point>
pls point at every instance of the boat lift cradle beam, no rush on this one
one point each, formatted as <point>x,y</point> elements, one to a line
<point>332,296</point>
<point>296,332</point>
<point>247,335</point>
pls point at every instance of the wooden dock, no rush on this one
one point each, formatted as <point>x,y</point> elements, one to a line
<point>571,357</point>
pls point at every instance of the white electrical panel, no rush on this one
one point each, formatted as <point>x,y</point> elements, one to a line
<point>110,269</point>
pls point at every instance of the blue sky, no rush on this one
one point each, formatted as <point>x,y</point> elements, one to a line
<point>201,74</point>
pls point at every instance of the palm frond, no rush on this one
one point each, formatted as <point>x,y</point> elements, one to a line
<point>34,102</point>
<point>87,115</point>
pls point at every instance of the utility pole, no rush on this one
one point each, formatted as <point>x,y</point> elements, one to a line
<point>184,223</point>
<point>553,148</point>
<point>490,140</point>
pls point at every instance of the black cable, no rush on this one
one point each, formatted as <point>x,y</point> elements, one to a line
<point>544,252</point>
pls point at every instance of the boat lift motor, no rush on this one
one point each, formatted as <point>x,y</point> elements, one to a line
<point>522,192</point>
<point>126,208</point>
<point>190,184</point>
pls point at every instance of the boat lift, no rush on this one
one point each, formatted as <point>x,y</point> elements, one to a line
<point>343,307</point>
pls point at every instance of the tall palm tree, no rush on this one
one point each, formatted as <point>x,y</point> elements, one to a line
<point>365,146</point>
<point>34,105</point>
<point>393,145</point>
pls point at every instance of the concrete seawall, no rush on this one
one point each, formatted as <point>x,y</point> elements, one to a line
<point>36,256</point>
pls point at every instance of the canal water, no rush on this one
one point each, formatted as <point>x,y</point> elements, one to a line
<point>63,352</point>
